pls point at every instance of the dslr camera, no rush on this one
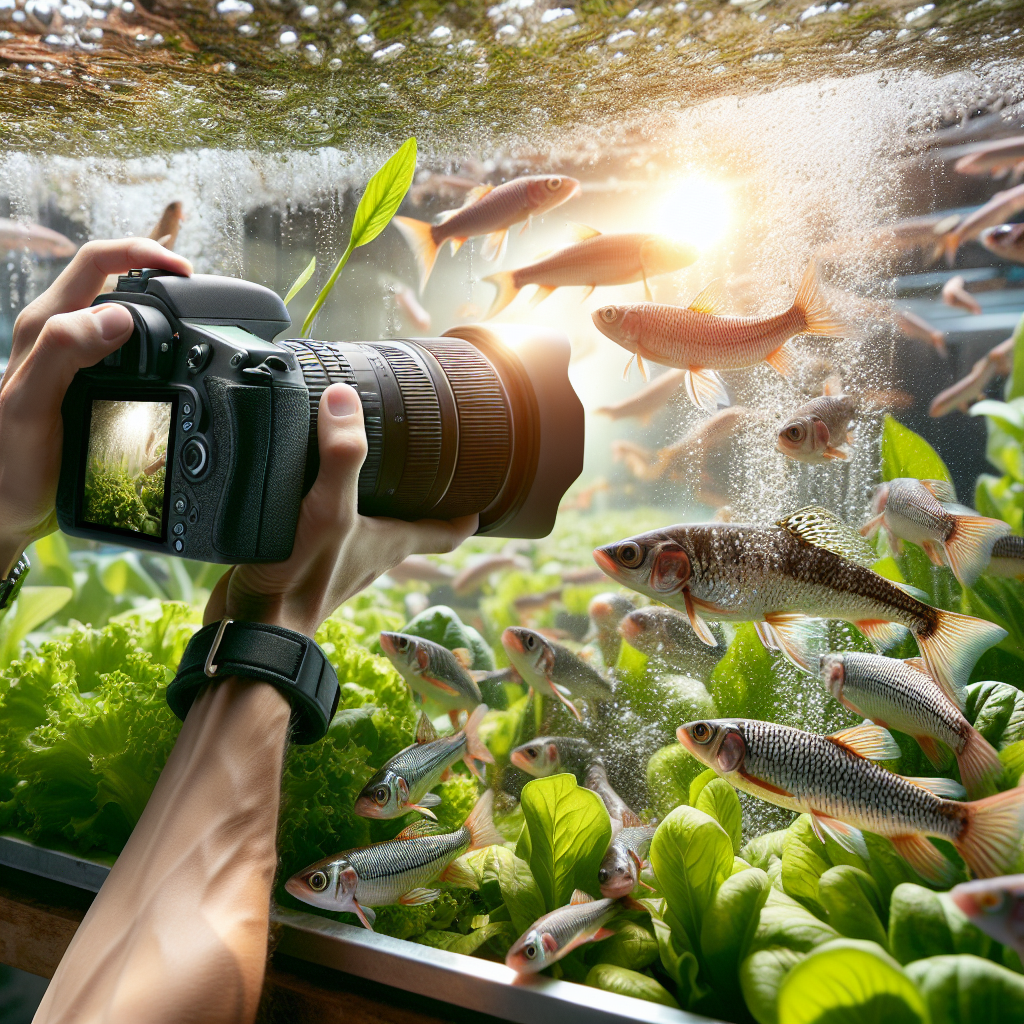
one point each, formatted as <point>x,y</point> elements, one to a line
<point>197,437</point>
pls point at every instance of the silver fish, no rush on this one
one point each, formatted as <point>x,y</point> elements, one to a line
<point>619,873</point>
<point>819,431</point>
<point>477,573</point>
<point>955,293</point>
<point>432,670</point>
<point>1005,241</point>
<point>606,611</point>
<point>998,210</point>
<point>14,235</point>
<point>1007,558</point>
<point>996,906</point>
<point>648,400</point>
<point>665,636</point>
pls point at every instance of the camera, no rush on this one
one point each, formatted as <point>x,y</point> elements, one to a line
<point>197,437</point>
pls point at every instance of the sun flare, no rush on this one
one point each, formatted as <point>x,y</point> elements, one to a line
<point>694,210</point>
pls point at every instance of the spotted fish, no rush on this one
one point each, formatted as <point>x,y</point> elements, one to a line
<point>819,431</point>
<point>433,671</point>
<point>619,873</point>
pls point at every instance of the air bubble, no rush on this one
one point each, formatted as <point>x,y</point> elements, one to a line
<point>287,38</point>
<point>440,35</point>
<point>389,53</point>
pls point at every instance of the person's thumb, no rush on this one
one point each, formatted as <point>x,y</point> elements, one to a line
<point>341,440</point>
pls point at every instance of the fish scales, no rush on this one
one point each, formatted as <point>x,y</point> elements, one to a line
<point>603,259</point>
<point>494,212</point>
<point>571,671</point>
<point>388,870</point>
<point>635,837</point>
<point>835,411</point>
<point>918,514</point>
<point>425,758</point>
<point>564,924</point>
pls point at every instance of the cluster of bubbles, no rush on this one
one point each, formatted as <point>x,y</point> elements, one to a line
<point>72,24</point>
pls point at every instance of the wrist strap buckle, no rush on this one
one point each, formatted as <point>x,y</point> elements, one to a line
<point>210,669</point>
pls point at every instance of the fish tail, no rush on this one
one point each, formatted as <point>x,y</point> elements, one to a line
<point>953,646</point>
<point>991,837</point>
<point>504,281</point>
<point>950,245</point>
<point>979,762</point>
<point>475,747</point>
<point>969,547</point>
<point>481,825</point>
<point>811,304</point>
<point>420,236</point>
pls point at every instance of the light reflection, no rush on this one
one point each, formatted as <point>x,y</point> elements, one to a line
<point>694,210</point>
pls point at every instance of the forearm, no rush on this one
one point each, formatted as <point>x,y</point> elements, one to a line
<point>179,930</point>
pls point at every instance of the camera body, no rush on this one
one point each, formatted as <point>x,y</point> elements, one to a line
<point>197,438</point>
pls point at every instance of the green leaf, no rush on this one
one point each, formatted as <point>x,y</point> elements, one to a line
<point>850,981</point>
<point>301,281</point>
<point>631,945</point>
<point>670,773</point>
<point>743,684</point>
<point>804,860</point>
<point>1001,601</point>
<point>569,831</point>
<point>519,889</point>
<point>996,710</point>
<point>698,785</point>
<point>678,958</point>
<point>456,942</point>
<point>730,924</point>
<point>851,898</point>
<point>969,990</point>
<point>719,799</point>
<point>443,626</point>
<point>760,850</point>
<point>761,976</point>
<point>32,608</point>
<point>906,454</point>
<point>1015,385</point>
<point>924,924</point>
<point>629,983</point>
<point>380,202</point>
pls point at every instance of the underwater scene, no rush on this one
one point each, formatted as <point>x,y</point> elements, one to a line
<point>744,734</point>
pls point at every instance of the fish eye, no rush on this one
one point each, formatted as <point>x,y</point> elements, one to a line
<point>603,875</point>
<point>554,184</point>
<point>402,644</point>
<point>530,641</point>
<point>701,732</point>
<point>630,554</point>
<point>318,881</point>
<point>795,432</point>
<point>532,752</point>
<point>381,794</point>
<point>530,951</point>
<point>991,902</point>
<point>608,314</point>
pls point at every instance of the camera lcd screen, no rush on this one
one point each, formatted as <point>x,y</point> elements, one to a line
<point>126,464</point>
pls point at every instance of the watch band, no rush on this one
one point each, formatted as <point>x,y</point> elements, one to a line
<point>290,661</point>
<point>12,583</point>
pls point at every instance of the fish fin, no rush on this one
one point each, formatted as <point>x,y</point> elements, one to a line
<point>579,896</point>
<point>424,810</point>
<point>603,933</point>
<point>941,490</point>
<point>419,235</point>
<point>953,646</point>
<point>881,633</point>
<point>429,800</point>
<point>494,245</point>
<point>367,915</point>
<point>811,304</point>
<point>931,750</point>
<point>699,626</point>
<point>950,244</point>
<point>816,828</point>
<point>475,194</point>
<point>710,300</point>
<point>830,451</point>
<point>463,656</point>
<point>446,215</point>
<point>481,825</point>
<point>979,762</point>
<point>790,629</point>
<point>637,862</point>
<point>542,292</point>
<point>766,635</point>
<point>849,838</point>
<point>568,703</point>
<point>440,684</point>
<point>642,368</point>
<point>943,788</point>
<point>705,388</point>
<point>631,820</point>
<point>455,244</point>
<point>454,717</point>
<point>459,874</point>
<point>446,775</point>
<point>549,942</point>
<point>625,372</point>
<point>833,386</point>
<point>909,588</point>
<point>916,663</point>
<point>526,225</point>
<point>504,281</point>
<point>969,547</point>
<point>925,859</point>
<point>586,295</point>
<point>818,527</point>
<point>872,526</point>
<point>581,232</point>
<point>475,747</point>
<point>766,786</point>
<point>991,836</point>
<point>933,549</point>
<point>648,295</point>
<point>782,359</point>
<point>425,731</point>
<point>417,897</point>
<point>867,740</point>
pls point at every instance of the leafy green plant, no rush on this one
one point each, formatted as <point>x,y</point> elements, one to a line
<point>301,281</point>
<point>905,453</point>
<point>966,989</point>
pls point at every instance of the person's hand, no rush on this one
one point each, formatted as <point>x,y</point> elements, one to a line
<point>55,336</point>
<point>337,551</point>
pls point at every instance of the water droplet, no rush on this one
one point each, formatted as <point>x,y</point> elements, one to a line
<point>313,53</point>
<point>507,34</point>
<point>366,42</point>
<point>310,14</point>
<point>558,17</point>
<point>356,22</point>
<point>439,36</point>
<point>389,53</point>
<point>334,64</point>
<point>234,10</point>
<point>622,39</point>
<point>248,31</point>
<point>287,38</point>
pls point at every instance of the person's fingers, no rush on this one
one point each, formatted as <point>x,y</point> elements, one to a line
<point>217,602</point>
<point>83,279</point>
<point>432,536</point>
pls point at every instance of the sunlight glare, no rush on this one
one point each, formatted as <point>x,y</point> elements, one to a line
<point>694,210</point>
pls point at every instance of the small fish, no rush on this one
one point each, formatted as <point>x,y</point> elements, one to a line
<point>551,668</point>
<point>480,570</point>
<point>583,500</point>
<point>925,513</point>
<point>582,576</point>
<point>996,906</point>
<point>15,236</point>
<point>605,612</point>
<point>955,293</point>
<point>895,239</point>
<point>168,226</point>
<point>557,934</point>
<point>694,455</point>
<point>433,671</point>
<point>1007,558</point>
<point>551,755</point>
<point>901,695</point>
<point>1005,241</point>
<point>592,261</point>
<point>998,362</point>
<point>998,210</point>
<point>819,431</point>
<point>648,400</point>
<point>619,873</point>
<point>665,636</point>
<point>916,327</point>
<point>418,569</point>
<point>640,461</point>
<point>405,782</point>
<point>995,158</point>
<point>405,299</point>
<point>527,603</point>
<point>489,211</point>
<point>700,341</point>
<point>808,564</point>
<point>596,780</point>
<point>396,871</point>
<point>834,780</point>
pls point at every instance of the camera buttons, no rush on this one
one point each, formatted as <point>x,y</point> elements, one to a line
<point>178,529</point>
<point>179,545</point>
<point>187,426</point>
<point>194,457</point>
<point>180,504</point>
<point>197,357</point>
<point>186,409</point>
<point>193,515</point>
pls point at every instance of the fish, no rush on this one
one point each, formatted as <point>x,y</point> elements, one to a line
<point>916,327</point>
<point>995,158</point>
<point>593,261</point>
<point>619,872</point>
<point>605,612</point>
<point>640,461</point>
<point>477,573</point>
<point>596,780</point>
<point>405,782</point>
<point>557,934</point>
<point>819,431</point>
<point>892,240</point>
<point>901,695</point>
<point>997,362</point>
<point>708,441</point>
<point>487,210</point>
<point>168,226</point>
<point>398,870</point>
<point>998,210</point>
<point>700,341</point>
<point>996,906</point>
<point>551,668</point>
<point>1005,241</point>
<point>526,603</point>
<point>648,400</point>
<point>665,636</point>
<point>925,513</point>
<point>955,293</point>
<point>1007,558</point>
<point>582,576</point>
<point>583,499</point>
<point>407,303</point>
<point>418,569</point>
<point>807,564</point>
<point>834,780</point>
<point>433,671</point>
<point>16,236</point>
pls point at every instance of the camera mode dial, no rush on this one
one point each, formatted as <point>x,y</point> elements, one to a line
<point>194,457</point>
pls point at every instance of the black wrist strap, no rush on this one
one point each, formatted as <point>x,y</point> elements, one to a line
<point>290,661</point>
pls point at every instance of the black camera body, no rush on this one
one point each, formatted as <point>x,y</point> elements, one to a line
<point>197,437</point>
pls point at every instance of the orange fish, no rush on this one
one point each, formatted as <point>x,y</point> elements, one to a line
<point>998,210</point>
<point>700,341</point>
<point>593,260</point>
<point>490,211</point>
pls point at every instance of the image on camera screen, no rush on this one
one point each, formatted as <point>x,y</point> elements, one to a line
<point>126,465</point>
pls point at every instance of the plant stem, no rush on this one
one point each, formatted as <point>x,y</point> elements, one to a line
<point>326,290</point>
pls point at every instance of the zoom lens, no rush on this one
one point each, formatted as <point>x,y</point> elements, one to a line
<point>478,420</point>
